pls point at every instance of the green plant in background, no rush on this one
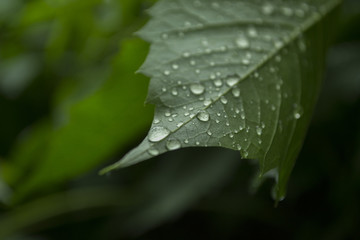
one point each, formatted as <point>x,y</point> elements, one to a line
<point>241,74</point>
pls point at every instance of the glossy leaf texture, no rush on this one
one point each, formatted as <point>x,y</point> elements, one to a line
<point>239,74</point>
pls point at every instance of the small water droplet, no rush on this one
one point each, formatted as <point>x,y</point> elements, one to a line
<point>246,61</point>
<point>252,32</point>
<point>153,152</point>
<point>203,116</point>
<point>167,114</point>
<point>192,62</point>
<point>299,13</point>
<point>215,5</point>
<point>197,89</point>
<point>175,66</point>
<point>156,121</point>
<point>174,92</point>
<point>157,134</point>
<point>279,44</point>
<point>179,124</point>
<point>287,11</point>
<point>173,144</point>
<point>207,102</point>
<point>186,54</point>
<point>186,141</point>
<point>298,112</point>
<point>232,81</point>
<point>164,36</point>
<point>242,42</point>
<point>223,100</point>
<point>268,9</point>
<point>166,72</point>
<point>258,130</point>
<point>209,133</point>
<point>236,92</point>
<point>218,83</point>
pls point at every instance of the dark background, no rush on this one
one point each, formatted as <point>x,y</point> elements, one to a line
<point>70,104</point>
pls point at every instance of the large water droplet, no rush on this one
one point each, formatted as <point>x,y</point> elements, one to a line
<point>173,144</point>
<point>197,89</point>
<point>157,134</point>
<point>259,130</point>
<point>203,116</point>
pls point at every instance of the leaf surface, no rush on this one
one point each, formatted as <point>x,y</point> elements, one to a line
<point>243,75</point>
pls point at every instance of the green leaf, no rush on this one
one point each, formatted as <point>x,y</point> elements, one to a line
<point>243,75</point>
<point>92,129</point>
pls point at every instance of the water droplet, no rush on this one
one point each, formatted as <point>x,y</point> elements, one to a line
<point>279,44</point>
<point>218,83</point>
<point>175,66</point>
<point>287,11</point>
<point>246,61</point>
<point>298,112</point>
<point>164,89</point>
<point>209,133</point>
<point>157,134</point>
<point>212,76</point>
<point>186,54</point>
<point>174,92</point>
<point>207,102</point>
<point>215,5</point>
<point>242,42</point>
<point>232,81</point>
<point>203,116</point>
<point>166,72</point>
<point>179,124</point>
<point>268,9</point>
<point>258,130</point>
<point>205,42</point>
<point>252,32</point>
<point>192,62</point>
<point>223,100</point>
<point>156,121</point>
<point>299,13</point>
<point>164,36</point>
<point>197,71</point>
<point>236,92</point>
<point>197,89</point>
<point>153,152</point>
<point>173,144</point>
<point>167,114</point>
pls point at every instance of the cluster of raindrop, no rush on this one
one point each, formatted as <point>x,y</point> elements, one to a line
<point>206,81</point>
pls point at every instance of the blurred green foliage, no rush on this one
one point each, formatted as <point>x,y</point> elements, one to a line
<point>71,103</point>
